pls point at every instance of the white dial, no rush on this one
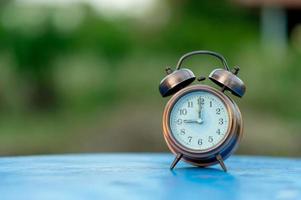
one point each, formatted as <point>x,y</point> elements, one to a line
<point>199,120</point>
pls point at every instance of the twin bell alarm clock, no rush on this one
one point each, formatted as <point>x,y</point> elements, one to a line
<point>202,125</point>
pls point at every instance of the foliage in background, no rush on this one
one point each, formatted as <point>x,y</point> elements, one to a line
<point>75,80</point>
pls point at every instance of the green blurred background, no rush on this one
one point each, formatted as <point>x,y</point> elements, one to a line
<point>83,75</point>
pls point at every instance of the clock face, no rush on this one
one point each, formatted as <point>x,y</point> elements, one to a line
<point>199,120</point>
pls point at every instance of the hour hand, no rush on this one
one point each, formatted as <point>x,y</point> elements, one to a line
<point>190,121</point>
<point>199,121</point>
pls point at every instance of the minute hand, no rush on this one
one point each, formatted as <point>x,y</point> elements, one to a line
<point>200,111</point>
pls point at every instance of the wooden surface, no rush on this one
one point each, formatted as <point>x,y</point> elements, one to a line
<point>146,176</point>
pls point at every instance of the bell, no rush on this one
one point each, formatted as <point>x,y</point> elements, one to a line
<point>175,81</point>
<point>228,81</point>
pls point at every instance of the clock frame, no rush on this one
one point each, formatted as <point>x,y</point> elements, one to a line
<point>218,152</point>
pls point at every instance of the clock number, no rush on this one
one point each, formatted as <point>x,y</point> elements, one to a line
<point>221,121</point>
<point>218,131</point>
<point>182,131</point>
<point>210,139</point>
<point>201,101</point>
<point>210,104</point>
<point>183,111</point>
<point>179,121</point>
<point>200,141</point>
<point>190,104</point>
<point>189,139</point>
<point>218,111</point>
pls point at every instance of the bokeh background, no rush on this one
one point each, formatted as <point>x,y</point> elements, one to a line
<point>83,75</point>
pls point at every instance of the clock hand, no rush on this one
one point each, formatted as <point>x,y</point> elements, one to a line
<point>190,121</point>
<point>200,120</point>
<point>193,121</point>
<point>200,109</point>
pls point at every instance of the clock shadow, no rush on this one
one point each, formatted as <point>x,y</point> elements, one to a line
<point>202,180</point>
<point>199,170</point>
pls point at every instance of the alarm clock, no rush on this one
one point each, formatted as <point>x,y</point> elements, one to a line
<point>201,124</point>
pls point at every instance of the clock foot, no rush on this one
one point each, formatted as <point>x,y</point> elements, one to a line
<point>176,160</point>
<point>221,162</point>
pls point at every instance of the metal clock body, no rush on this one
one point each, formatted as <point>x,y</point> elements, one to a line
<point>222,133</point>
<point>202,125</point>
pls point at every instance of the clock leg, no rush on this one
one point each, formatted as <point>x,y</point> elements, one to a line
<point>221,162</point>
<point>176,160</point>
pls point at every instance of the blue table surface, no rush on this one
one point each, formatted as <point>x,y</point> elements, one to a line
<point>146,176</point>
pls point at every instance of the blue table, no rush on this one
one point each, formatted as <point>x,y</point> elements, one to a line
<point>146,176</point>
